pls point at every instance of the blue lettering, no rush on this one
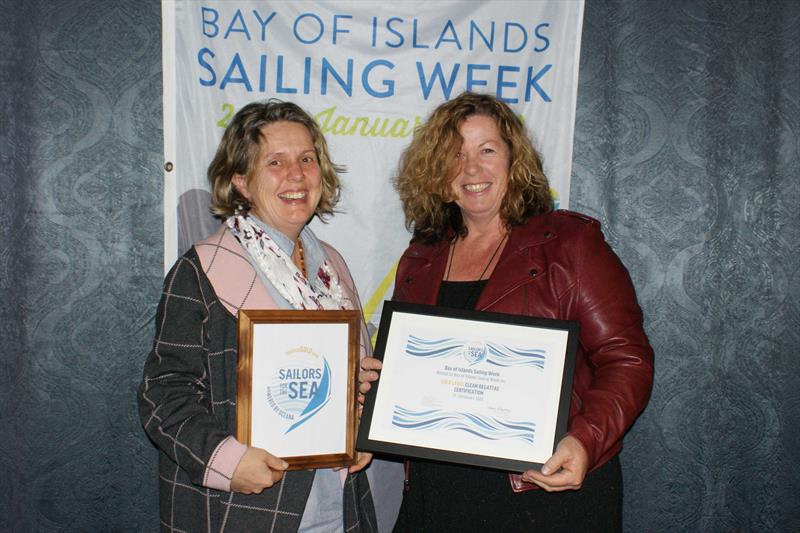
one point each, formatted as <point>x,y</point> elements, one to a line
<point>437,74</point>
<point>212,22</point>
<point>236,65</point>
<point>307,76</point>
<point>263,23</point>
<point>320,28</point>
<point>336,25</point>
<point>400,38</point>
<point>473,29</point>
<point>510,25</point>
<point>279,88</point>
<point>205,65</point>
<point>388,84</point>
<point>414,39</point>
<point>347,86</point>
<point>262,73</point>
<point>541,37</point>
<point>453,39</point>
<point>231,28</point>
<point>533,81</point>
<point>302,390</point>
<point>471,81</point>
<point>502,83</point>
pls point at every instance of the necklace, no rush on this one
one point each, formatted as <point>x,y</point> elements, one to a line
<point>301,256</point>
<point>452,253</point>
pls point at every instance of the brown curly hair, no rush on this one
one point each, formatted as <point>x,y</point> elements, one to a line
<point>428,166</point>
<point>238,154</point>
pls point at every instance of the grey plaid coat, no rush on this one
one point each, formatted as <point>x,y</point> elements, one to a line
<point>187,406</point>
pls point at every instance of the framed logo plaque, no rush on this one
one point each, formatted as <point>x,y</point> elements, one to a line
<point>470,387</point>
<point>297,385</point>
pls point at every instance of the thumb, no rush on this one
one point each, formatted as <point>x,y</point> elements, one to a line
<point>553,464</point>
<point>276,463</point>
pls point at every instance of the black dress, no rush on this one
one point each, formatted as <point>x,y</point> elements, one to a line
<point>443,497</point>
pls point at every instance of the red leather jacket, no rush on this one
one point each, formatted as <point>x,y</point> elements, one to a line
<point>559,266</point>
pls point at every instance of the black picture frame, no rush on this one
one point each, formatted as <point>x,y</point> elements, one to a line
<point>387,428</point>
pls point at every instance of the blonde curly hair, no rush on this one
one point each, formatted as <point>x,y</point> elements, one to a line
<point>428,166</point>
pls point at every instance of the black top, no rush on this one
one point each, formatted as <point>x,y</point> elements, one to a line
<point>460,294</point>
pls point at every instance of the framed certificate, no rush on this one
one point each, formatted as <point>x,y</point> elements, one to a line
<point>296,385</point>
<point>469,387</point>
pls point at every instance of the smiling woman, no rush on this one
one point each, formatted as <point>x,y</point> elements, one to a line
<point>486,238</point>
<point>285,187</point>
<point>270,176</point>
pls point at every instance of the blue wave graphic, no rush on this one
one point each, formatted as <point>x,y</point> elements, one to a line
<point>497,354</point>
<point>318,401</point>
<point>489,428</point>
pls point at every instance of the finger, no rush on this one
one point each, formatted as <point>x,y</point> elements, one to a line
<point>276,463</point>
<point>371,363</point>
<point>362,460</point>
<point>364,387</point>
<point>277,475</point>
<point>367,376</point>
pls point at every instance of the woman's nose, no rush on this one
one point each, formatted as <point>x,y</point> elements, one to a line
<point>470,165</point>
<point>296,171</point>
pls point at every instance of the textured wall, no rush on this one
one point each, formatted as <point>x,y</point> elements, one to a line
<point>686,149</point>
<point>80,261</point>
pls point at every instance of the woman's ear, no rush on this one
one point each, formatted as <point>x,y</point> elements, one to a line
<point>239,182</point>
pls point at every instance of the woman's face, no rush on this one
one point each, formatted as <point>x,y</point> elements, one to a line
<point>286,185</point>
<point>481,174</point>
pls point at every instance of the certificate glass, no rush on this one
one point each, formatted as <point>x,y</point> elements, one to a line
<point>477,388</point>
<point>296,385</point>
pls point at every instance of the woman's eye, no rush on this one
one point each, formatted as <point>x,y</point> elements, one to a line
<point>273,163</point>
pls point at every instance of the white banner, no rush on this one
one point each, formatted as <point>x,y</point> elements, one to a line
<point>368,72</point>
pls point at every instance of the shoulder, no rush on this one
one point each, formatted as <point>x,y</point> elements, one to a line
<point>421,250</point>
<point>557,225</point>
<point>332,254</point>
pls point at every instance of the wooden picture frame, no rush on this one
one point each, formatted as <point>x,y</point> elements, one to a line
<point>297,385</point>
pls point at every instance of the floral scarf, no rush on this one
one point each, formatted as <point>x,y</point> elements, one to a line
<point>280,270</point>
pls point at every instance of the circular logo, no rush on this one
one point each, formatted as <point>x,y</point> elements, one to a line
<point>300,386</point>
<point>474,352</point>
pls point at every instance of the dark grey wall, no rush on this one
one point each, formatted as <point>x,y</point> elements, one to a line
<point>686,149</point>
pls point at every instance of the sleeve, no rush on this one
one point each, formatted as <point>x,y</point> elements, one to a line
<point>613,339</point>
<point>174,400</point>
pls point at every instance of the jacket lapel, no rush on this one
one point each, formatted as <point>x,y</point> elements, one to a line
<point>516,266</point>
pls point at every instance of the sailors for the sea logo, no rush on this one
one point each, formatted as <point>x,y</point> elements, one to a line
<point>474,352</point>
<point>300,386</point>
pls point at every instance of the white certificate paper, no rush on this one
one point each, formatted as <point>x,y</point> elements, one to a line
<point>473,387</point>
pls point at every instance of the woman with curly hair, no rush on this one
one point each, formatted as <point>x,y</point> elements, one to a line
<point>486,237</point>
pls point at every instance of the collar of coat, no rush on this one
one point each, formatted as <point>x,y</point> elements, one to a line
<point>425,263</point>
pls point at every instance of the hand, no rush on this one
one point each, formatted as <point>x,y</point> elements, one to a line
<point>362,460</point>
<point>565,470</point>
<point>258,470</point>
<point>369,373</point>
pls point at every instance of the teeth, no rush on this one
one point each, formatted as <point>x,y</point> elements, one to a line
<point>476,187</point>
<point>293,195</point>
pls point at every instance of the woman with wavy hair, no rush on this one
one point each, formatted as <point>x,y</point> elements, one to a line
<point>270,176</point>
<point>486,237</point>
